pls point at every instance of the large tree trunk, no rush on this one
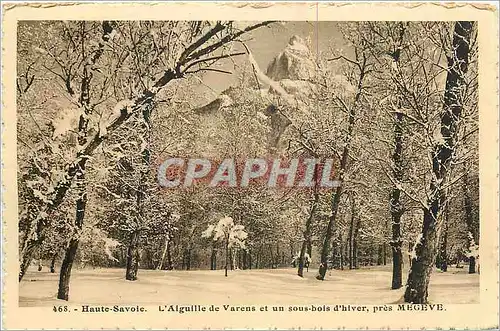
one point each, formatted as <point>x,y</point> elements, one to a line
<point>133,257</point>
<point>426,247</point>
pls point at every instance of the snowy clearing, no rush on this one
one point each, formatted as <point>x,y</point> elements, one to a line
<point>369,285</point>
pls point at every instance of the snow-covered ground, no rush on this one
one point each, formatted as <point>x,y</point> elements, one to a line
<point>278,286</point>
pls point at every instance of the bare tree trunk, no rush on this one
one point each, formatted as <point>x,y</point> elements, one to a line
<point>443,252</point>
<point>133,257</point>
<point>410,249</point>
<point>426,247</point>
<point>227,256</point>
<point>271,256</point>
<point>164,253</point>
<point>341,251</point>
<point>384,248</point>
<point>396,207</point>
<point>188,258</point>
<point>380,252</point>
<point>351,234</point>
<point>250,259</point>
<point>213,259</point>
<point>192,54</point>
<point>53,263</point>
<point>40,262</point>
<point>133,254</point>
<point>355,244</point>
<point>76,169</point>
<point>325,251</point>
<point>245,259</point>
<point>469,221</point>
<point>70,253</point>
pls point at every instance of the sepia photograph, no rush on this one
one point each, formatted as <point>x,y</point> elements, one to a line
<point>197,166</point>
<point>120,124</point>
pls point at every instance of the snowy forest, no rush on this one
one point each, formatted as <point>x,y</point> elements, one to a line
<point>101,104</point>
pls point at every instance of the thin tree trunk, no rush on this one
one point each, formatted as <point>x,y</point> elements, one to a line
<point>277,254</point>
<point>231,260</point>
<point>384,248</point>
<point>410,250</point>
<point>355,244</point>
<point>426,247</point>
<point>164,253</point>
<point>70,253</point>
<point>213,259</point>
<point>325,251</point>
<point>443,252</point>
<point>351,233</point>
<point>380,252</point>
<point>335,255</point>
<point>169,265</point>
<point>227,257</point>
<point>188,259</point>
<point>40,262</point>
<point>250,259</point>
<point>306,244</point>
<point>395,205</point>
<point>341,251</point>
<point>76,169</point>
<point>469,220</point>
<point>272,256</point>
<point>133,257</point>
<point>53,263</point>
<point>239,254</point>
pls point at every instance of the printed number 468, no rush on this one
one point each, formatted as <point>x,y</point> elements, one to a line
<point>60,309</point>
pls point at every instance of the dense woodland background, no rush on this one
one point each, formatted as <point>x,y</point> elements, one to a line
<point>101,104</point>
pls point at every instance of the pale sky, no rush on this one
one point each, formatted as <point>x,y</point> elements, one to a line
<point>267,42</point>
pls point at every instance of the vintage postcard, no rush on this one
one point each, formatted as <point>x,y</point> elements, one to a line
<point>249,166</point>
